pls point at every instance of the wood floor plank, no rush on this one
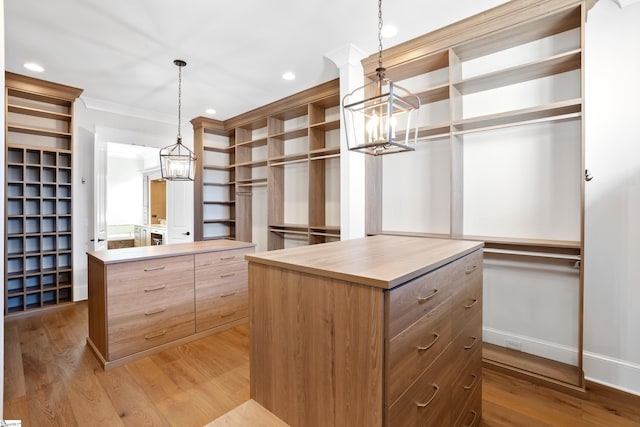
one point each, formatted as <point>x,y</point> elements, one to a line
<point>13,372</point>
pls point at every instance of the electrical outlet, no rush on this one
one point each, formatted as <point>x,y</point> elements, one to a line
<point>514,345</point>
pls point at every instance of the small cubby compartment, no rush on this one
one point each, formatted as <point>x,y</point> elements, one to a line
<point>32,174</point>
<point>64,224</point>
<point>64,260</point>
<point>15,173</point>
<point>15,245</point>
<point>64,207</point>
<point>32,207</point>
<point>32,245</point>
<point>15,207</point>
<point>64,176</point>
<point>49,224</point>
<point>15,304</point>
<point>48,191</point>
<point>15,190</point>
<point>33,157</point>
<point>15,156</point>
<point>64,191</point>
<point>64,295</point>
<point>15,226</point>
<point>32,190</point>
<point>15,266</point>
<point>49,280</point>
<point>64,160</point>
<point>49,175</point>
<point>48,243</point>
<point>64,242</point>
<point>64,278</point>
<point>49,158</point>
<point>15,285</point>
<point>33,283</point>
<point>49,297</point>
<point>49,262</point>
<point>33,300</point>
<point>32,263</point>
<point>48,206</point>
<point>32,225</point>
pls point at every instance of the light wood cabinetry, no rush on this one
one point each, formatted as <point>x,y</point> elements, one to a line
<point>500,159</point>
<point>38,204</point>
<point>362,332</point>
<point>142,300</point>
<point>287,152</point>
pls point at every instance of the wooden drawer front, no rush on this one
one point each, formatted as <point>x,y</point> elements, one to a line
<point>472,413</point>
<point>466,383</point>
<point>221,294</point>
<point>140,331</point>
<point>467,293</point>
<point>141,285</point>
<point>409,302</point>
<point>415,348</point>
<point>428,401</point>
<point>467,342</point>
<point>220,258</point>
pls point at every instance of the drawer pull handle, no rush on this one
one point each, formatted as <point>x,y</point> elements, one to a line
<point>156,335</point>
<point>468,347</point>
<point>227,258</point>
<point>222,276</point>
<point>435,393</point>
<point>228,295</point>
<point>152,312</point>
<point>470,386</point>
<point>471,269</point>
<point>428,297</point>
<point>228,314</point>
<point>154,268</point>
<point>473,421</point>
<point>475,301</point>
<point>157,288</point>
<point>427,347</point>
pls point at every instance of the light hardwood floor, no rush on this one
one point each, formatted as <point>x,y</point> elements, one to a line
<point>51,378</point>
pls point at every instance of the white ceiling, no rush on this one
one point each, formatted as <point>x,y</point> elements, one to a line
<point>121,52</point>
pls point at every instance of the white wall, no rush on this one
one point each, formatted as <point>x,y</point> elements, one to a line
<point>612,252</point>
<point>124,190</point>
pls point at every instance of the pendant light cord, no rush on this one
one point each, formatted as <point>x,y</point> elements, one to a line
<point>179,100</point>
<point>379,33</point>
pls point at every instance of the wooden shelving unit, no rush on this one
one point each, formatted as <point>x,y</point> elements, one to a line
<point>280,146</point>
<point>504,76</point>
<point>38,205</point>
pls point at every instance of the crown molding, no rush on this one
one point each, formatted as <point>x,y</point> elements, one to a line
<point>125,110</point>
<point>625,3</point>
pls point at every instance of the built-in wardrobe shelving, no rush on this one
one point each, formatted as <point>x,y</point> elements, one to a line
<point>38,205</point>
<point>500,159</point>
<point>288,152</point>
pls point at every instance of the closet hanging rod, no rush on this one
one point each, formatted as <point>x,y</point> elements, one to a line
<point>512,252</point>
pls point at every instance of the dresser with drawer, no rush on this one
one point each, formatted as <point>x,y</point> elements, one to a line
<point>380,331</point>
<point>143,300</point>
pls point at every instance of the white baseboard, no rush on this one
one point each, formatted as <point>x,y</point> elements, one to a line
<point>612,372</point>
<point>549,350</point>
<point>601,369</point>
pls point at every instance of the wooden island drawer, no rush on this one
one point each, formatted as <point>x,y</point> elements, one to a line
<point>414,349</point>
<point>467,296</point>
<point>216,259</point>
<point>428,401</point>
<point>466,383</point>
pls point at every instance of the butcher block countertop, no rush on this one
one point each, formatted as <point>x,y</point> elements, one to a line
<point>380,261</point>
<point>162,251</point>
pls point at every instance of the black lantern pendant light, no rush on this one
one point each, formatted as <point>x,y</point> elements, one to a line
<point>177,162</point>
<point>381,117</point>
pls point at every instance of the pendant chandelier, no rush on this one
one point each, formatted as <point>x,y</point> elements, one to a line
<point>177,162</point>
<point>381,117</point>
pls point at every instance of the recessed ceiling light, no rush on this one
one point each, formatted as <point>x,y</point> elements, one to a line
<point>210,111</point>
<point>34,67</point>
<point>389,31</point>
<point>288,75</point>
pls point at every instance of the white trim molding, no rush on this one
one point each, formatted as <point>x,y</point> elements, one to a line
<point>625,3</point>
